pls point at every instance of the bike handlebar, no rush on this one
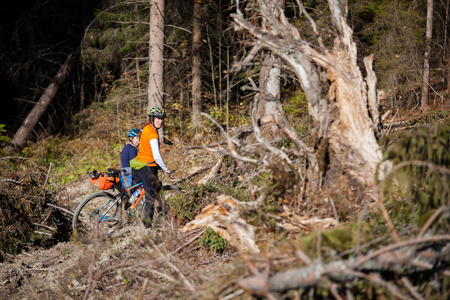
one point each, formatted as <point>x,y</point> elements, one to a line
<point>170,173</point>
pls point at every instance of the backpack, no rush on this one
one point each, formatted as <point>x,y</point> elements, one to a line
<point>103,180</point>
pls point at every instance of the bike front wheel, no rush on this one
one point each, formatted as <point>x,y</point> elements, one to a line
<point>98,214</point>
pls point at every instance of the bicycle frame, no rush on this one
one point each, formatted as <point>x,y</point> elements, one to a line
<point>105,219</point>
<point>140,196</point>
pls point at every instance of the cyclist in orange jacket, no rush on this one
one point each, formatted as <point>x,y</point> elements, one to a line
<point>150,155</point>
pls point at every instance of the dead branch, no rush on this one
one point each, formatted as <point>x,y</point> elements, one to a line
<point>372,99</point>
<point>10,180</point>
<point>173,267</point>
<point>289,131</point>
<point>394,258</point>
<point>430,221</point>
<point>191,175</point>
<point>92,264</point>
<point>43,233</point>
<point>214,171</point>
<point>60,208</point>
<point>48,173</point>
<point>303,227</point>
<point>45,226</point>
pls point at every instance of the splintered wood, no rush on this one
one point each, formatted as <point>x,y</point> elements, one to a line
<point>223,217</point>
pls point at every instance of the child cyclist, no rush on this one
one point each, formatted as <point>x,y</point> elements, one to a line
<point>150,159</point>
<point>128,153</point>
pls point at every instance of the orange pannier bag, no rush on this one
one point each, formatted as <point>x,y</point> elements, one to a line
<point>102,180</point>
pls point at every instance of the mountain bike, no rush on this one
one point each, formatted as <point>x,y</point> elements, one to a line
<point>103,211</point>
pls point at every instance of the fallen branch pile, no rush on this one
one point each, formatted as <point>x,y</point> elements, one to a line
<point>29,212</point>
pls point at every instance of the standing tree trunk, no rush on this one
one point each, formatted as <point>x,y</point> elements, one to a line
<point>344,122</point>
<point>49,94</point>
<point>445,70</point>
<point>156,56</point>
<point>426,62</point>
<point>269,83</point>
<point>196,66</point>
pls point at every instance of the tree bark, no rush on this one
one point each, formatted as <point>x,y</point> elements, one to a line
<point>156,58</point>
<point>196,66</point>
<point>445,46</point>
<point>342,125</point>
<point>426,62</point>
<point>49,94</point>
<point>270,85</point>
<point>156,54</point>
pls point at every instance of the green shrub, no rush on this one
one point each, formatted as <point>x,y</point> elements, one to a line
<point>214,241</point>
<point>186,206</point>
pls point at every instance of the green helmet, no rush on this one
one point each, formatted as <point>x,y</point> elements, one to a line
<point>157,112</point>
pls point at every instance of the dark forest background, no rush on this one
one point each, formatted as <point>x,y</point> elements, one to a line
<point>37,36</point>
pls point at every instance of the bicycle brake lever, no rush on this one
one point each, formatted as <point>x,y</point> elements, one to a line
<point>170,173</point>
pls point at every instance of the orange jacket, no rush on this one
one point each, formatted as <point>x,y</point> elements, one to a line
<point>145,153</point>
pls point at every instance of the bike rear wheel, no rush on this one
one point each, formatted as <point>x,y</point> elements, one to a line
<point>98,214</point>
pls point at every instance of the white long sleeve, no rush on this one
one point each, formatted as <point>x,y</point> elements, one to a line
<point>154,143</point>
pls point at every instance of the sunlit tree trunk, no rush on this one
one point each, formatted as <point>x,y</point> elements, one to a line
<point>196,66</point>
<point>271,96</point>
<point>426,64</point>
<point>156,54</point>
<point>49,94</point>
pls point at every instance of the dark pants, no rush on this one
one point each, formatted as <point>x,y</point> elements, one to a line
<point>149,176</point>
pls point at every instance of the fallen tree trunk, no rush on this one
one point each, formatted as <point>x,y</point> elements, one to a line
<point>402,258</point>
<point>47,97</point>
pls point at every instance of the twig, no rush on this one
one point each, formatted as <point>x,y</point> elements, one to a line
<point>92,264</point>
<point>386,217</point>
<point>430,221</point>
<point>303,257</point>
<point>377,280</point>
<point>185,281</point>
<point>43,233</point>
<point>400,245</point>
<point>37,269</point>
<point>45,226</point>
<point>334,211</point>
<point>185,244</point>
<point>231,296</point>
<point>392,120</point>
<point>45,260</point>
<point>60,208</point>
<point>358,232</point>
<point>10,180</point>
<point>411,289</point>
<point>291,222</point>
<point>418,163</point>
<point>48,173</point>
<point>191,175</point>
<point>333,288</point>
